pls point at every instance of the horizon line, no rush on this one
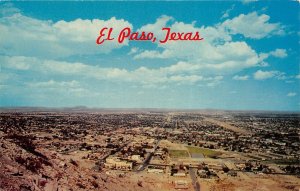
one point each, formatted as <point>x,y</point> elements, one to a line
<point>77,108</point>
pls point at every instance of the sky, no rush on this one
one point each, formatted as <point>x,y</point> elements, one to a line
<point>248,60</point>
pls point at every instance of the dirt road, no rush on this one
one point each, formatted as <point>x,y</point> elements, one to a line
<point>227,126</point>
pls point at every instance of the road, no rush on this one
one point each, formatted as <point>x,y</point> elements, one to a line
<point>225,125</point>
<point>195,182</point>
<point>117,150</point>
<point>148,159</point>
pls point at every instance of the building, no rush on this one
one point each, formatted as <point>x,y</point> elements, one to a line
<point>181,184</point>
<point>117,163</point>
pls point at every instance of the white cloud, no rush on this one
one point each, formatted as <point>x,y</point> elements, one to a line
<point>217,53</point>
<point>183,79</point>
<point>243,78</point>
<point>133,50</point>
<point>211,33</point>
<point>280,53</point>
<point>156,27</point>
<point>262,75</point>
<point>26,36</point>
<point>41,42</point>
<point>142,75</point>
<point>17,63</point>
<point>54,84</point>
<point>72,88</point>
<point>226,13</point>
<point>214,81</point>
<point>253,26</point>
<point>229,57</point>
<point>153,54</point>
<point>248,1</point>
<point>291,94</point>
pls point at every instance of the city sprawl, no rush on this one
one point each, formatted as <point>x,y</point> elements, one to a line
<point>85,149</point>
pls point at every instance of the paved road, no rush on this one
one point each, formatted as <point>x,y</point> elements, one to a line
<point>195,182</point>
<point>117,150</point>
<point>148,159</point>
<point>228,126</point>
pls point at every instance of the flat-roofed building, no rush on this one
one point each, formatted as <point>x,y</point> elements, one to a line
<point>181,184</point>
<point>117,163</point>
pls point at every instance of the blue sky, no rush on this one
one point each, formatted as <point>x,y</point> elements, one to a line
<point>249,59</point>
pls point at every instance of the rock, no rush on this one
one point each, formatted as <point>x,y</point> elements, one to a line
<point>140,183</point>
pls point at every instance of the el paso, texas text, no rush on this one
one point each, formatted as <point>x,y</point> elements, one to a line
<point>126,33</point>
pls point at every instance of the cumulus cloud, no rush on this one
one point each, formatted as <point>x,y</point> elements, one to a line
<point>217,53</point>
<point>141,75</point>
<point>262,75</point>
<point>133,50</point>
<point>229,57</point>
<point>253,26</point>
<point>280,53</point>
<point>156,27</point>
<point>291,94</point>
<point>40,43</point>
<point>242,78</point>
<point>27,36</point>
